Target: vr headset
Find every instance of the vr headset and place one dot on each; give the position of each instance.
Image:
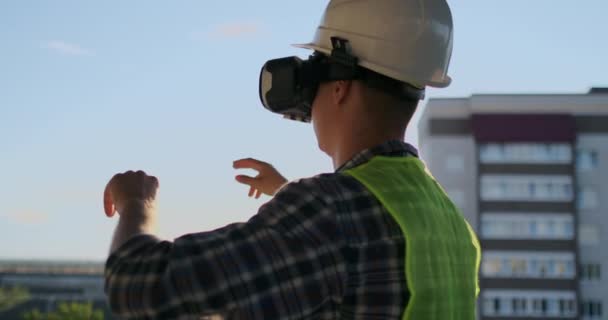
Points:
(288, 86)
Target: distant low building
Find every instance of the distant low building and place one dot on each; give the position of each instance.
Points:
(52, 282)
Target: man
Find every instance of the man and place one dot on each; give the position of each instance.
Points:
(376, 239)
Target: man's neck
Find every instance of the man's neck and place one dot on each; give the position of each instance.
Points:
(354, 145)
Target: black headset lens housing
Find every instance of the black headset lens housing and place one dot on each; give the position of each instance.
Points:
(288, 86)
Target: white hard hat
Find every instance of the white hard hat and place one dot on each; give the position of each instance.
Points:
(407, 40)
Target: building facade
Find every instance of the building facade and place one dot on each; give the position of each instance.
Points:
(530, 173)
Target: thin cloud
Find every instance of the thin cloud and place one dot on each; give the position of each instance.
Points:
(28, 217)
(233, 30)
(66, 48)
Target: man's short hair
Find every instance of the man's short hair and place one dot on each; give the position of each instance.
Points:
(389, 108)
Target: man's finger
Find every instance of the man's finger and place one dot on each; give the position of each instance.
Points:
(258, 193)
(108, 203)
(251, 192)
(245, 179)
(249, 163)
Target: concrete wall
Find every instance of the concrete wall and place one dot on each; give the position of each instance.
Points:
(452, 161)
(598, 179)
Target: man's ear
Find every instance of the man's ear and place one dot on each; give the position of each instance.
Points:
(340, 91)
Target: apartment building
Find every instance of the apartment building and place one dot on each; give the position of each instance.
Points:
(530, 173)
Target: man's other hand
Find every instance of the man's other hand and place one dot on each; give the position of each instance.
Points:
(268, 180)
(129, 188)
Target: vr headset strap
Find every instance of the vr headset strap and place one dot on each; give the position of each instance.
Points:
(344, 66)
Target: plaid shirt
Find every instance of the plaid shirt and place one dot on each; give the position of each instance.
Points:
(322, 248)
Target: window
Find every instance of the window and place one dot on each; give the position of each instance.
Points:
(588, 234)
(525, 264)
(537, 306)
(529, 303)
(587, 198)
(455, 162)
(590, 271)
(533, 225)
(505, 225)
(518, 266)
(586, 160)
(497, 305)
(519, 306)
(491, 266)
(526, 188)
(489, 153)
(591, 309)
(488, 306)
(560, 267)
(525, 153)
(570, 267)
(553, 307)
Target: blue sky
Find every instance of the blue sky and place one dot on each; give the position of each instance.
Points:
(88, 89)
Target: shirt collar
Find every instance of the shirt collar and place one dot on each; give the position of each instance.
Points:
(391, 148)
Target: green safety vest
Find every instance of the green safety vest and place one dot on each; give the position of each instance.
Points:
(442, 252)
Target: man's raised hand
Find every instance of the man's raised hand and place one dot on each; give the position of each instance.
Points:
(129, 188)
(268, 181)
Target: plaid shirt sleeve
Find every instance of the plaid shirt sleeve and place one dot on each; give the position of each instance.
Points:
(285, 262)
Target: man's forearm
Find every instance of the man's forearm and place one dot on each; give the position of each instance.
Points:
(138, 218)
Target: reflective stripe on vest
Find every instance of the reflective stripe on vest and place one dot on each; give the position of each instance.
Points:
(442, 251)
